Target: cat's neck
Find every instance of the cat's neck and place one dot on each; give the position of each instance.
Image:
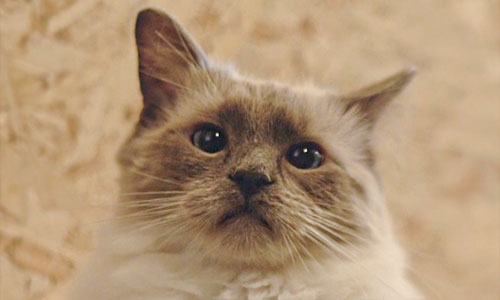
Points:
(133, 253)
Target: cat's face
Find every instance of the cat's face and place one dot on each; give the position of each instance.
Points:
(240, 171)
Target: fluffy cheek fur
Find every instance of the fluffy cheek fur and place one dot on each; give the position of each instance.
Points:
(182, 193)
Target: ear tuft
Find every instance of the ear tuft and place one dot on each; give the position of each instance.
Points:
(371, 100)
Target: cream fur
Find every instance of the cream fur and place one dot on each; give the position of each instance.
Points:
(123, 268)
(195, 264)
(127, 266)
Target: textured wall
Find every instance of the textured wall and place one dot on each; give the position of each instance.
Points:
(69, 95)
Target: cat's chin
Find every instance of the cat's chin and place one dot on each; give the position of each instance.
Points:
(244, 219)
(245, 237)
(245, 232)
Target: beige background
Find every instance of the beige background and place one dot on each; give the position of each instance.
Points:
(69, 96)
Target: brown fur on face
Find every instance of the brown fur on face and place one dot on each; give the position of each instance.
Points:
(185, 195)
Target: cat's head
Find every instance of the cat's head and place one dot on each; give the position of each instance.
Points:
(242, 171)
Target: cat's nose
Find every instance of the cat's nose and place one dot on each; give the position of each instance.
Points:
(250, 182)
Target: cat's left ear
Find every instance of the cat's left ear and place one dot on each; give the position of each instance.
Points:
(369, 102)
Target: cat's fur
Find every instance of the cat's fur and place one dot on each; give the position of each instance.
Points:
(328, 233)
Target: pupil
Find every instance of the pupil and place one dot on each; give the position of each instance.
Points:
(305, 156)
(209, 139)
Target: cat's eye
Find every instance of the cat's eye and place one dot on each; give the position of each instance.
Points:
(305, 155)
(209, 138)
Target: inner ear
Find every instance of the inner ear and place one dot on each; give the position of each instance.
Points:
(369, 102)
(167, 56)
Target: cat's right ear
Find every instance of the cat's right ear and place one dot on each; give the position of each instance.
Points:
(166, 57)
(369, 102)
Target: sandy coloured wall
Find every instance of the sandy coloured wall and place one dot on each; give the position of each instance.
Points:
(69, 95)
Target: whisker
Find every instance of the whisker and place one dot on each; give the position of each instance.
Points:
(337, 235)
(149, 224)
(330, 245)
(197, 63)
(352, 258)
(288, 242)
(152, 193)
(146, 204)
(161, 202)
(173, 48)
(153, 177)
(166, 80)
(151, 212)
(334, 226)
(306, 210)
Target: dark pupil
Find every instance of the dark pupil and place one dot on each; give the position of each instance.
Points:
(209, 139)
(305, 156)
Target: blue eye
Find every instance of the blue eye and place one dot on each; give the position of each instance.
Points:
(305, 155)
(209, 138)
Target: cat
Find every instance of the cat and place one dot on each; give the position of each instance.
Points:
(234, 188)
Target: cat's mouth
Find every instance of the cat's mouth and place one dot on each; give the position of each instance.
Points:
(245, 213)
